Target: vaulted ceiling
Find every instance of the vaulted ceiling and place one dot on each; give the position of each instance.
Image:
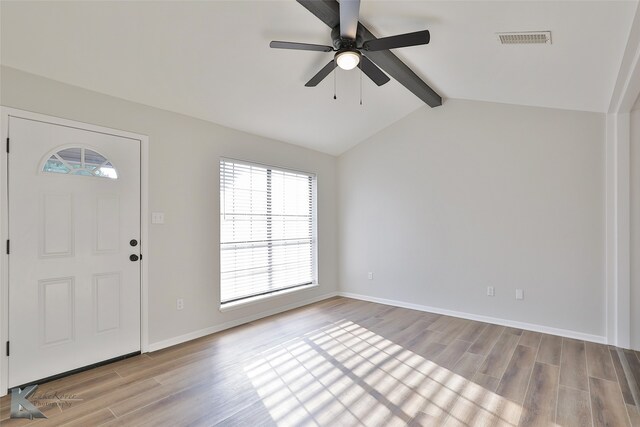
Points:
(211, 60)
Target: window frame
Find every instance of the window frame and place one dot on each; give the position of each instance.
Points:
(314, 237)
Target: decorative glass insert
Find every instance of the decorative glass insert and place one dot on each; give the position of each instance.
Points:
(80, 161)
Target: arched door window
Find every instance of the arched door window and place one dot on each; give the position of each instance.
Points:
(79, 161)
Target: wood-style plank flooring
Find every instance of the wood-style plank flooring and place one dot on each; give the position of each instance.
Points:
(343, 362)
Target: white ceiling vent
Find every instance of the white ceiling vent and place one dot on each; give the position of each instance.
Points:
(525, 37)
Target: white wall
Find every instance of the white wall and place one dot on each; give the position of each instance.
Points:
(438, 206)
(451, 200)
(184, 183)
(635, 226)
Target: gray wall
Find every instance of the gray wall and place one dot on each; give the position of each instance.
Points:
(635, 226)
(451, 200)
(438, 206)
(184, 183)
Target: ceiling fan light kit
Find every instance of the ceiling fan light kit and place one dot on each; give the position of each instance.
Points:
(356, 46)
(347, 59)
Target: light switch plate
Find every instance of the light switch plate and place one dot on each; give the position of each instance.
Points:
(157, 218)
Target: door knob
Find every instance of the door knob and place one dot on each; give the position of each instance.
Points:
(133, 242)
(134, 257)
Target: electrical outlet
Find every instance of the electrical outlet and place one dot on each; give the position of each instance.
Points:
(491, 291)
(179, 304)
(519, 294)
(370, 275)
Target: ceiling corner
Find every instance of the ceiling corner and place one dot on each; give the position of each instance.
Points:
(627, 86)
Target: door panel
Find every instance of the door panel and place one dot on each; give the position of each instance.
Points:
(56, 310)
(107, 299)
(74, 204)
(57, 225)
(107, 238)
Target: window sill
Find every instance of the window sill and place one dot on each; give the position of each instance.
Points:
(262, 298)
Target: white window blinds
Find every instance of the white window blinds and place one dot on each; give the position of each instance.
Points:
(267, 229)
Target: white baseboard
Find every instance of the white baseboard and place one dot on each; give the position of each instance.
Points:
(504, 322)
(237, 322)
(487, 319)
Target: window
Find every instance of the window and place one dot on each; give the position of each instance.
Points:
(79, 161)
(267, 230)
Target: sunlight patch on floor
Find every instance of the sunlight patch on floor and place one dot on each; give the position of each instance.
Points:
(345, 374)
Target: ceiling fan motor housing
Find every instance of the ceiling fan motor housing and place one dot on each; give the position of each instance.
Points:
(340, 43)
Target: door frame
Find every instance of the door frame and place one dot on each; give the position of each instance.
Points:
(5, 114)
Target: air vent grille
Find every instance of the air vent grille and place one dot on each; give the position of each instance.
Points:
(529, 37)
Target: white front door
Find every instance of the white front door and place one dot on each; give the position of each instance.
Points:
(74, 230)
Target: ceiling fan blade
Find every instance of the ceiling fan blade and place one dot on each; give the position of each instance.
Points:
(394, 42)
(321, 74)
(372, 71)
(300, 46)
(349, 13)
(397, 69)
(328, 11)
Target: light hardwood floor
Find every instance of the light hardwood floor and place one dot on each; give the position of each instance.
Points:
(344, 362)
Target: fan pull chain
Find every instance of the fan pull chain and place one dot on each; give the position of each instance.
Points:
(334, 83)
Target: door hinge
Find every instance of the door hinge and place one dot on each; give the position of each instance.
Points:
(8, 247)
(7, 348)
(7, 145)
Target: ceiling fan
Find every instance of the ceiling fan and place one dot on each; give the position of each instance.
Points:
(355, 46)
